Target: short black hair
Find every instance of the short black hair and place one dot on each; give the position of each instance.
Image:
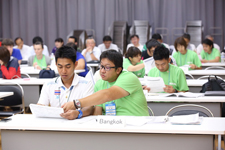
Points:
(157, 36)
(107, 38)
(161, 53)
(180, 41)
(135, 35)
(4, 54)
(17, 38)
(187, 36)
(39, 43)
(132, 52)
(72, 45)
(208, 42)
(59, 40)
(37, 39)
(66, 52)
(73, 37)
(115, 57)
(152, 43)
(7, 42)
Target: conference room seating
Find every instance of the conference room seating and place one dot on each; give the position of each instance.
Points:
(187, 109)
(14, 104)
(215, 68)
(150, 111)
(195, 29)
(142, 29)
(118, 32)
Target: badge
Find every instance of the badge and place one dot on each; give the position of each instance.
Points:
(57, 94)
(110, 109)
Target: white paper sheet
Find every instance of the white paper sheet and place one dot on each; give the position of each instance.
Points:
(156, 84)
(46, 111)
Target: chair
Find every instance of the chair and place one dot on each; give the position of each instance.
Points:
(195, 29)
(15, 102)
(118, 32)
(215, 67)
(189, 76)
(142, 29)
(187, 109)
(151, 113)
(203, 77)
(90, 75)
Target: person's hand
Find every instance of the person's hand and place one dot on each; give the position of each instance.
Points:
(89, 49)
(146, 88)
(204, 61)
(193, 66)
(70, 114)
(68, 106)
(169, 89)
(1, 62)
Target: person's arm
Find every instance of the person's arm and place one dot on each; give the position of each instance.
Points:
(193, 66)
(136, 67)
(99, 97)
(93, 56)
(19, 62)
(97, 110)
(81, 64)
(12, 70)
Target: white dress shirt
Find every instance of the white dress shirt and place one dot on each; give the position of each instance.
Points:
(112, 46)
(25, 51)
(96, 52)
(140, 47)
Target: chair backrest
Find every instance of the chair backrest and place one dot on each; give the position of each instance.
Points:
(118, 32)
(17, 99)
(149, 64)
(90, 75)
(150, 111)
(142, 29)
(188, 109)
(215, 67)
(195, 29)
(189, 76)
(203, 77)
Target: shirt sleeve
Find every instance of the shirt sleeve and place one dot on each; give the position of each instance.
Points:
(19, 56)
(11, 72)
(182, 83)
(89, 89)
(202, 55)
(197, 61)
(97, 53)
(44, 97)
(126, 63)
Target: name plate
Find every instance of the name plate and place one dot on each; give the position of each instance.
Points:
(112, 121)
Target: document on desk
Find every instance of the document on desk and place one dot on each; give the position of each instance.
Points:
(156, 84)
(186, 119)
(184, 94)
(45, 111)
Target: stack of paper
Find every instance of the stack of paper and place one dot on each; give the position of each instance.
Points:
(185, 119)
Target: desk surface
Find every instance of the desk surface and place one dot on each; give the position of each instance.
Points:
(31, 81)
(29, 122)
(5, 94)
(217, 64)
(206, 72)
(93, 64)
(161, 98)
(31, 70)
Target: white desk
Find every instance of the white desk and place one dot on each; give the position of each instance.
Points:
(5, 94)
(217, 64)
(94, 66)
(198, 73)
(35, 73)
(160, 105)
(195, 86)
(25, 132)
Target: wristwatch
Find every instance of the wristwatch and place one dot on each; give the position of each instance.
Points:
(80, 114)
(76, 103)
(91, 52)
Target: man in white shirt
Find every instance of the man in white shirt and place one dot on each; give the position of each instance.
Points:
(187, 39)
(107, 44)
(68, 86)
(200, 47)
(38, 39)
(24, 49)
(91, 52)
(134, 39)
(159, 38)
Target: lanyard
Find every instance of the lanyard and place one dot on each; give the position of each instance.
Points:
(68, 96)
(168, 76)
(185, 58)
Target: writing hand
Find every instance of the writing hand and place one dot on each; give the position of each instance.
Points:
(70, 114)
(169, 89)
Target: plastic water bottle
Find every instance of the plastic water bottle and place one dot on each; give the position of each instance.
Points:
(222, 57)
(52, 56)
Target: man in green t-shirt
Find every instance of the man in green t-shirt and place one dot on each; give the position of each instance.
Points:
(173, 76)
(117, 87)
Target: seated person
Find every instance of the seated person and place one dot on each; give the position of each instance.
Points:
(133, 62)
(183, 56)
(134, 39)
(38, 39)
(68, 85)
(115, 88)
(150, 45)
(200, 46)
(39, 60)
(80, 59)
(58, 43)
(159, 38)
(173, 76)
(187, 39)
(91, 52)
(10, 67)
(107, 44)
(8, 43)
(24, 49)
(210, 54)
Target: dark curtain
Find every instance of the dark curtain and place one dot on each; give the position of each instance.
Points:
(57, 18)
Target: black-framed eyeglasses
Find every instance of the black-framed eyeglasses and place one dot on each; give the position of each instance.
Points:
(106, 68)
